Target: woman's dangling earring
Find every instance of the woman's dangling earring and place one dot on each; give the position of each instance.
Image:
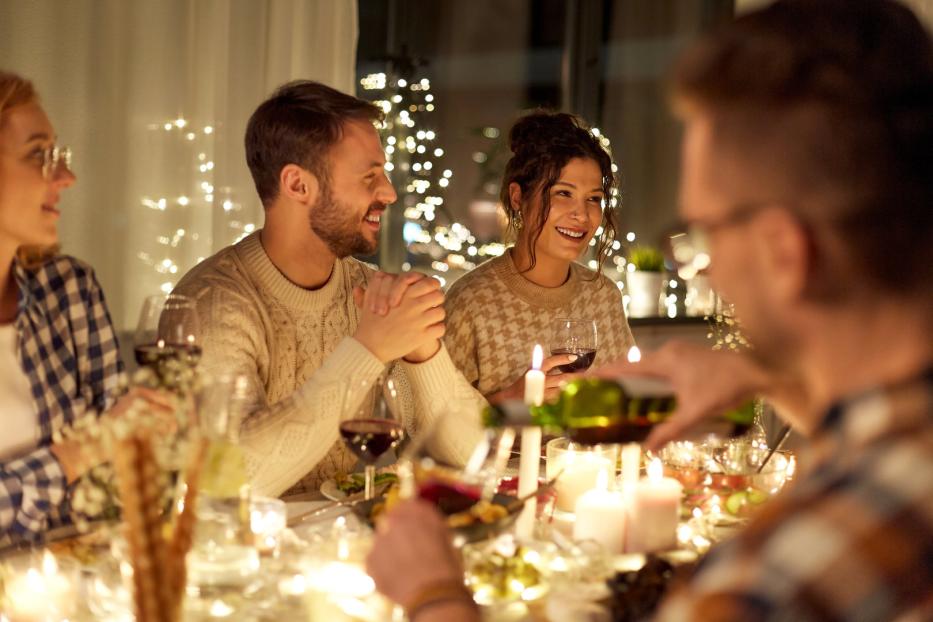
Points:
(517, 220)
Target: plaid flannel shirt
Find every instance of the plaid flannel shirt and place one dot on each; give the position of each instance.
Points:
(69, 352)
(850, 540)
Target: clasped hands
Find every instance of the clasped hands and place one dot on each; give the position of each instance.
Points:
(401, 316)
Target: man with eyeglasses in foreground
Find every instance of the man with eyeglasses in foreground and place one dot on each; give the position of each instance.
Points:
(807, 163)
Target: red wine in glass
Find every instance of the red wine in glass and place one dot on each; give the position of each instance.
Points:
(370, 438)
(585, 357)
(450, 497)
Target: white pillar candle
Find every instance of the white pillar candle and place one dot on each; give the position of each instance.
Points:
(579, 471)
(530, 462)
(631, 462)
(654, 510)
(601, 516)
(534, 378)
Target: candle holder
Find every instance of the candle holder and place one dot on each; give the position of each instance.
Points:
(577, 469)
(109, 589)
(506, 572)
(334, 580)
(502, 571)
(268, 519)
(39, 587)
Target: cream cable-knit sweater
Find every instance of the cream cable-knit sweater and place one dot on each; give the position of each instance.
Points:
(295, 348)
(495, 316)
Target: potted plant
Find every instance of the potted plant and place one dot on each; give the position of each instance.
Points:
(645, 281)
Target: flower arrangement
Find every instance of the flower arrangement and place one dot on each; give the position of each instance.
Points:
(726, 331)
(95, 495)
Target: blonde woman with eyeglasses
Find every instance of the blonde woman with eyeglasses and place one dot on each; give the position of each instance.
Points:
(58, 352)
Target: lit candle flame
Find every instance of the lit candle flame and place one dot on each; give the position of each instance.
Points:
(49, 566)
(537, 357)
(634, 354)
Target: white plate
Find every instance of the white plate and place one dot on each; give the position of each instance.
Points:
(330, 491)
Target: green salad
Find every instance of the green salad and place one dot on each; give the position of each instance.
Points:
(355, 482)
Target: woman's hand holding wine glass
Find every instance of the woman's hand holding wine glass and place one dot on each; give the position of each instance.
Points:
(574, 337)
(168, 337)
(553, 381)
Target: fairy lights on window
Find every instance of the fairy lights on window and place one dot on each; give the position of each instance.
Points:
(169, 256)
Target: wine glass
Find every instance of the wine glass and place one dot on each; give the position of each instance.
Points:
(168, 334)
(370, 425)
(574, 336)
(455, 474)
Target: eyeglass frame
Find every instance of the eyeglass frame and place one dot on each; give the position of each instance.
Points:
(52, 158)
(696, 237)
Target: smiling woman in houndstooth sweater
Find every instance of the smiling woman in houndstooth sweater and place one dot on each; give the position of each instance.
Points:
(555, 191)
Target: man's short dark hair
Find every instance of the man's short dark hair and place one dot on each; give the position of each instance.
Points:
(298, 124)
(836, 97)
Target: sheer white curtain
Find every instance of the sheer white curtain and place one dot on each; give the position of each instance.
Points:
(154, 97)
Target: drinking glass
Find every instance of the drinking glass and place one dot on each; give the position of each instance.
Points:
(726, 480)
(574, 336)
(454, 474)
(370, 425)
(223, 557)
(168, 335)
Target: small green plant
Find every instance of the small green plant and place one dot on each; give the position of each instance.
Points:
(646, 259)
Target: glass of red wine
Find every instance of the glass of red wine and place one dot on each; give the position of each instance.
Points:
(370, 425)
(168, 336)
(452, 468)
(574, 336)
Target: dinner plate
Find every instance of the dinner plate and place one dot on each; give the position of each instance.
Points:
(330, 491)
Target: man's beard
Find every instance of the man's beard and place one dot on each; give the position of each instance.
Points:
(333, 222)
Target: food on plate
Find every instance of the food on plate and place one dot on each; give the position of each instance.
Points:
(356, 482)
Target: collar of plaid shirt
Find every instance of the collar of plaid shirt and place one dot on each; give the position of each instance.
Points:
(67, 344)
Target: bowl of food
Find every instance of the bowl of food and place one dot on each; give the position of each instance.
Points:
(728, 480)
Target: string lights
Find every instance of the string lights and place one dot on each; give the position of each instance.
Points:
(435, 241)
(167, 257)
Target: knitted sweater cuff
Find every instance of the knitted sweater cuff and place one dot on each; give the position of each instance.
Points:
(350, 360)
(436, 376)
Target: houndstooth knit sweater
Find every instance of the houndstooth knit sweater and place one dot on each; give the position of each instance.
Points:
(495, 316)
(294, 347)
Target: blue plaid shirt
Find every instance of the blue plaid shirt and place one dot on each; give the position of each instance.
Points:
(69, 352)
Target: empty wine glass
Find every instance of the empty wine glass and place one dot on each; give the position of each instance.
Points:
(574, 336)
(370, 425)
(168, 335)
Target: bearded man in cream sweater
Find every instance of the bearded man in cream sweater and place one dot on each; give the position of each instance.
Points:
(289, 307)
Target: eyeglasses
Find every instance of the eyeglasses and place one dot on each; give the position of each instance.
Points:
(54, 157)
(688, 245)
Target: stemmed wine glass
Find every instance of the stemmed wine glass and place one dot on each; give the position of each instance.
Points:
(370, 425)
(574, 336)
(454, 474)
(168, 334)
